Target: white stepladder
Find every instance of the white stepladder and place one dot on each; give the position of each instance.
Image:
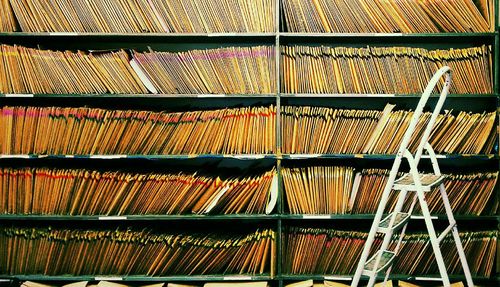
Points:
(418, 184)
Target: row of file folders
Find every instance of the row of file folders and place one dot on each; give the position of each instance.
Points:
(208, 16)
(132, 251)
(243, 70)
(307, 190)
(247, 130)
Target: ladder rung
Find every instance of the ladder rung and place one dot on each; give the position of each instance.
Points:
(385, 262)
(446, 231)
(401, 219)
(428, 181)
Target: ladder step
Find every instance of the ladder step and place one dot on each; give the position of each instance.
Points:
(428, 181)
(385, 262)
(400, 220)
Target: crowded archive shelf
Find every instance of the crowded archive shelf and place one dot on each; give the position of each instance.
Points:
(189, 143)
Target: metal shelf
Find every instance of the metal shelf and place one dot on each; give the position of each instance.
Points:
(132, 278)
(246, 34)
(137, 278)
(312, 95)
(50, 217)
(243, 156)
(141, 35)
(148, 157)
(384, 35)
(227, 96)
(208, 217)
(282, 95)
(371, 216)
(391, 277)
(385, 156)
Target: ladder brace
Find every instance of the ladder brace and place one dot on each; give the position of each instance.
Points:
(446, 231)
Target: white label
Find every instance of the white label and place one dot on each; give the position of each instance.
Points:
(211, 95)
(14, 156)
(112, 218)
(63, 34)
(103, 156)
(428, 279)
(319, 216)
(104, 278)
(248, 156)
(19, 95)
(229, 278)
(344, 278)
(69, 156)
(299, 156)
(422, 217)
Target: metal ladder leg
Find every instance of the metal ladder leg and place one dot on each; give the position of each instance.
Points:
(428, 221)
(451, 218)
(456, 236)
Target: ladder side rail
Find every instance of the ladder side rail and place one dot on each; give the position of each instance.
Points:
(427, 218)
(437, 109)
(451, 219)
(461, 255)
(432, 156)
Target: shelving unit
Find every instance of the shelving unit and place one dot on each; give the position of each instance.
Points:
(279, 218)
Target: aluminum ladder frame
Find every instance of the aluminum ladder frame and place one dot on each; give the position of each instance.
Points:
(419, 194)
